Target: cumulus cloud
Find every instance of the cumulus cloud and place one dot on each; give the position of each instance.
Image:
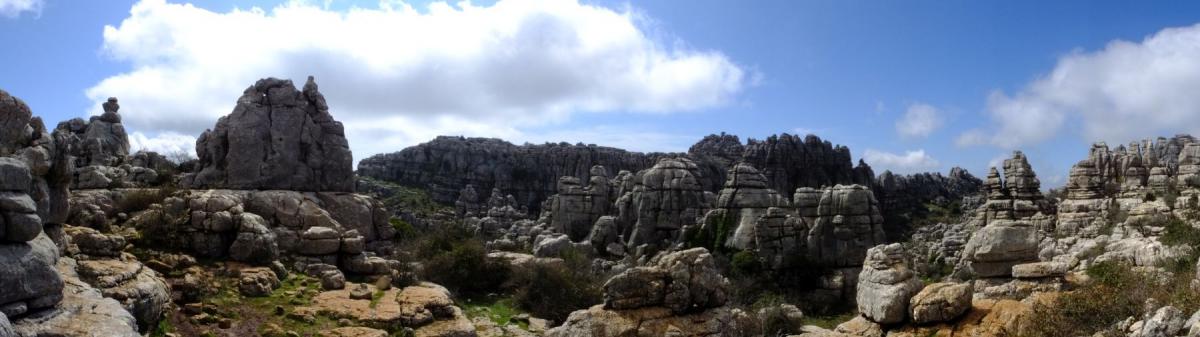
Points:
(164, 143)
(910, 162)
(919, 121)
(397, 76)
(1127, 90)
(14, 8)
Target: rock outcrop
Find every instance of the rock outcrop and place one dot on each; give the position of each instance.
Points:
(276, 138)
(347, 230)
(745, 199)
(42, 294)
(847, 224)
(665, 198)
(678, 294)
(577, 206)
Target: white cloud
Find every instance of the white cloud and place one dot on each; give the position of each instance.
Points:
(1128, 90)
(910, 162)
(164, 143)
(397, 76)
(14, 8)
(919, 121)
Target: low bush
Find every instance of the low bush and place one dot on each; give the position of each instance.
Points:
(136, 200)
(1116, 291)
(553, 291)
(455, 259)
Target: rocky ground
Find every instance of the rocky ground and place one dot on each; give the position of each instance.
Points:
(480, 237)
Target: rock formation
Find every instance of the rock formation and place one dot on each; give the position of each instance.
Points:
(847, 224)
(276, 138)
(886, 285)
(744, 200)
(905, 197)
(665, 198)
(100, 150)
(531, 172)
(42, 293)
(577, 206)
(260, 226)
(678, 294)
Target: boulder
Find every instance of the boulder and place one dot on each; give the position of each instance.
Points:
(28, 277)
(996, 248)
(82, 311)
(257, 282)
(255, 242)
(886, 285)
(940, 302)
(684, 281)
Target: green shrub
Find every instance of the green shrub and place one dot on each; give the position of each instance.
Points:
(1116, 291)
(462, 265)
(773, 320)
(135, 200)
(745, 262)
(553, 291)
(404, 230)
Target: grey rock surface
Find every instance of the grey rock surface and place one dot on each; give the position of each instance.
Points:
(886, 285)
(277, 137)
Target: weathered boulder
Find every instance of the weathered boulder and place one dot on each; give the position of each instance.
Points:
(28, 277)
(140, 290)
(996, 248)
(683, 281)
(886, 285)
(83, 311)
(277, 137)
(257, 282)
(940, 302)
(598, 321)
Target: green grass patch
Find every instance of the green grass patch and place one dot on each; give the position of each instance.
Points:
(499, 310)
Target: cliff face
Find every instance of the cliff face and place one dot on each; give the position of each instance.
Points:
(445, 165)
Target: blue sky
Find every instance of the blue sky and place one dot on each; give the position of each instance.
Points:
(980, 78)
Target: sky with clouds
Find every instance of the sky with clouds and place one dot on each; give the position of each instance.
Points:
(909, 86)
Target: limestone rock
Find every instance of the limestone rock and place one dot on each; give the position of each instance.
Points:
(860, 326)
(683, 281)
(997, 247)
(653, 322)
(277, 137)
(577, 205)
(666, 197)
(848, 223)
(886, 285)
(257, 282)
(140, 290)
(83, 311)
(940, 302)
(28, 277)
(745, 198)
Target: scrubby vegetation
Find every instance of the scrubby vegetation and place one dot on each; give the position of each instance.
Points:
(134, 200)
(456, 259)
(553, 291)
(1116, 291)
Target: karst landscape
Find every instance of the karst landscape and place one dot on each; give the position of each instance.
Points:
(269, 223)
